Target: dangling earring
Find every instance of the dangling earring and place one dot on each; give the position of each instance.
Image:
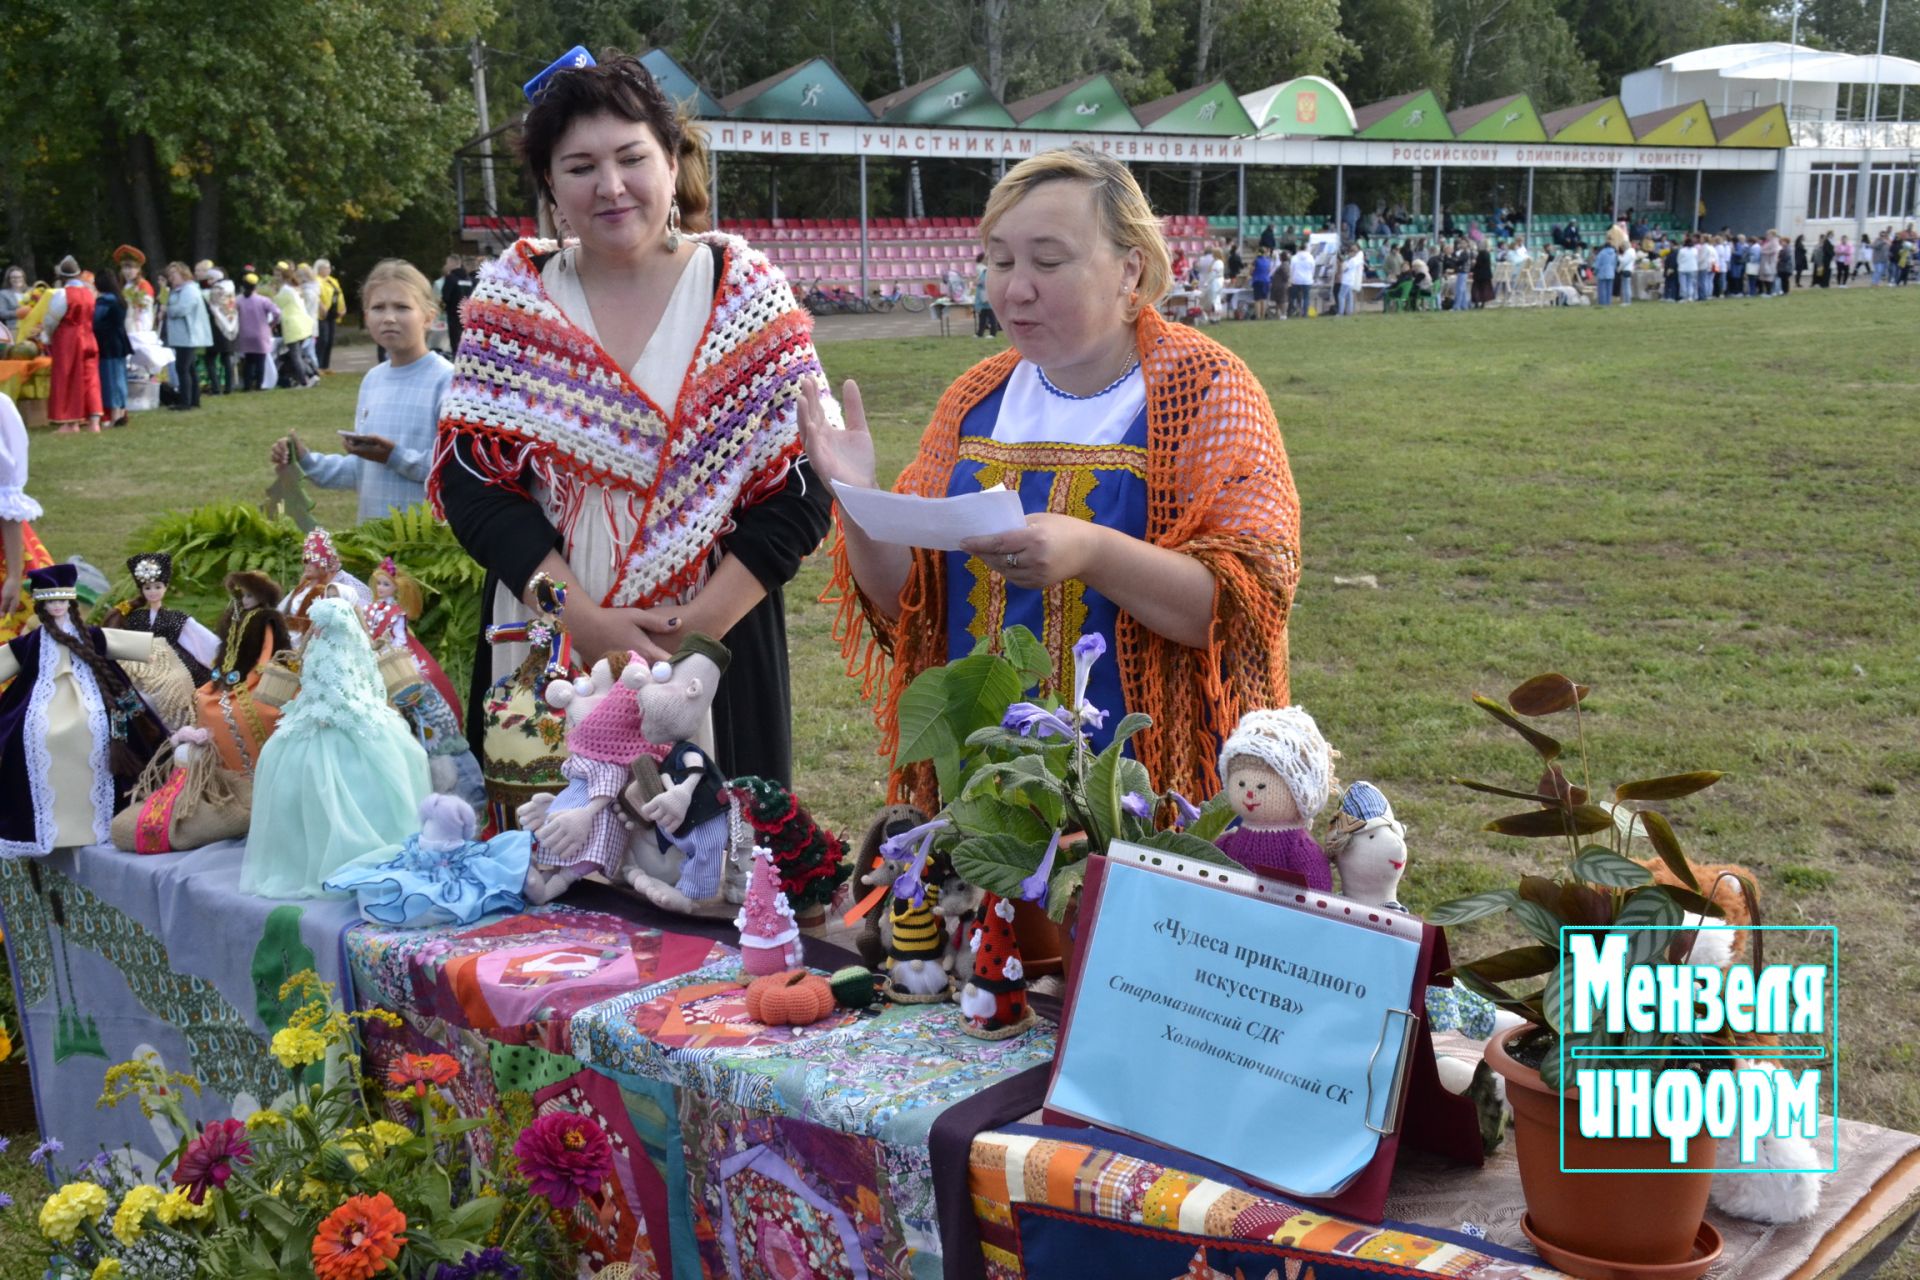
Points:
(673, 227)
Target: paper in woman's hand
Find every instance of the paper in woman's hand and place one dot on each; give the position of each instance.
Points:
(937, 524)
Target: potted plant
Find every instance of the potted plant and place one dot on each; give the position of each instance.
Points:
(1611, 1223)
(1027, 797)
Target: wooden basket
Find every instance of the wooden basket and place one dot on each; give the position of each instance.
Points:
(279, 679)
(398, 669)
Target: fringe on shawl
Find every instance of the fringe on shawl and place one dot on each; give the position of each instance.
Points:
(1210, 431)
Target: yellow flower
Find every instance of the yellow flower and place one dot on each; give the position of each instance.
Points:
(67, 1208)
(109, 1269)
(264, 1120)
(6, 1043)
(131, 1218)
(176, 1207)
(389, 1134)
(298, 1046)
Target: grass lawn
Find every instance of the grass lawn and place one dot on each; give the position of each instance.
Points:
(1707, 515)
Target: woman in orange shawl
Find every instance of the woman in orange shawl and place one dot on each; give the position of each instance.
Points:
(1162, 513)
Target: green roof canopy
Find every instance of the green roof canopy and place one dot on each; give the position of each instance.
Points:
(1411, 117)
(1603, 120)
(1089, 105)
(1761, 127)
(959, 98)
(680, 86)
(1211, 110)
(1687, 125)
(813, 91)
(1509, 119)
(1307, 106)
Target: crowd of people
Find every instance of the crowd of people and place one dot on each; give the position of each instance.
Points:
(1462, 270)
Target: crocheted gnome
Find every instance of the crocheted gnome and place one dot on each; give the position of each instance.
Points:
(769, 938)
(916, 962)
(995, 997)
(1278, 773)
(1370, 847)
(578, 832)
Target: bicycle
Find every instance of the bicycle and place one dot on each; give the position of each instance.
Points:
(901, 296)
(833, 300)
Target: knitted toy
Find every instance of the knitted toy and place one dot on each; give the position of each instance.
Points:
(876, 869)
(807, 855)
(995, 997)
(916, 961)
(769, 939)
(578, 832)
(1370, 847)
(694, 828)
(1278, 773)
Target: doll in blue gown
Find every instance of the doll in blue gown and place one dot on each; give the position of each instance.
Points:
(441, 875)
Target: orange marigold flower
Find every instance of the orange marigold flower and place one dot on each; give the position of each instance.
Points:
(359, 1239)
(418, 1070)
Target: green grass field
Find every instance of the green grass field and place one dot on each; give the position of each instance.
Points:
(1707, 515)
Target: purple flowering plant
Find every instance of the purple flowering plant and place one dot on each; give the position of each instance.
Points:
(1028, 797)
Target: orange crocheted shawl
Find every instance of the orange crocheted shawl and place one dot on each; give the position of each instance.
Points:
(1218, 489)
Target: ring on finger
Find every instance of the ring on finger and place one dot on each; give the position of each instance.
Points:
(1013, 559)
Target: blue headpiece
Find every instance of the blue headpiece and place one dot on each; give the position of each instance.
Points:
(1365, 802)
(572, 60)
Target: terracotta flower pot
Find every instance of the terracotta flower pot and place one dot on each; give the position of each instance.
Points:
(1627, 1220)
(1041, 952)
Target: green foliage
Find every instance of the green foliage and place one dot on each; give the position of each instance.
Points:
(1602, 891)
(209, 542)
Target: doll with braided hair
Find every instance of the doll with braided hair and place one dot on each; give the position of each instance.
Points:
(74, 733)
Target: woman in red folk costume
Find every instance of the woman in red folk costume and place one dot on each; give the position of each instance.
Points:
(75, 392)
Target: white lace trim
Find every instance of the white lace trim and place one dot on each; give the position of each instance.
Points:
(102, 740)
(33, 737)
(16, 505)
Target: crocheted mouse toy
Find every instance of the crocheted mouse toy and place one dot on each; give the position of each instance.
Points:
(1278, 773)
(1369, 845)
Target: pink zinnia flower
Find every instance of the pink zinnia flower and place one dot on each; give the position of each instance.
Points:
(564, 1157)
(209, 1159)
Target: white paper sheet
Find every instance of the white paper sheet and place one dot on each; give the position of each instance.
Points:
(937, 524)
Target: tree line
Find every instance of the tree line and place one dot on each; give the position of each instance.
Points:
(202, 129)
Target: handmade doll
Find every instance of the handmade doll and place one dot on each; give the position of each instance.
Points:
(251, 631)
(876, 868)
(321, 578)
(342, 776)
(523, 738)
(916, 963)
(441, 875)
(769, 937)
(1369, 845)
(994, 998)
(428, 704)
(578, 832)
(74, 735)
(692, 814)
(1278, 774)
(196, 646)
(184, 800)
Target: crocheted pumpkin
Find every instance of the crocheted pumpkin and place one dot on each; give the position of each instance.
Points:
(793, 999)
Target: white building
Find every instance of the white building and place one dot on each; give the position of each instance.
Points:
(1844, 174)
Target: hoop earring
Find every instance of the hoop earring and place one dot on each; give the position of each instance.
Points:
(673, 227)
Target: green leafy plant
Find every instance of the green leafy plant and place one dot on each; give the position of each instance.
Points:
(1028, 798)
(207, 543)
(1600, 889)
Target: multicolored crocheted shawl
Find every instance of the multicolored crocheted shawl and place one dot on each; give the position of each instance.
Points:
(1218, 489)
(533, 392)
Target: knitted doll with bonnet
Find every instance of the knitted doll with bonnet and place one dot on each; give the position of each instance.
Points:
(1278, 773)
(579, 831)
(1370, 847)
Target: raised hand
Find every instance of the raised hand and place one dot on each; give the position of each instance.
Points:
(837, 453)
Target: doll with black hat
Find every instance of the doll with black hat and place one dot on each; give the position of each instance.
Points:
(74, 735)
(196, 646)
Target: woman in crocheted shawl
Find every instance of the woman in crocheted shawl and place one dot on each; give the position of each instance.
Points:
(1162, 512)
(623, 412)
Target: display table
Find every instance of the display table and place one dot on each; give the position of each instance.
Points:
(115, 954)
(837, 1149)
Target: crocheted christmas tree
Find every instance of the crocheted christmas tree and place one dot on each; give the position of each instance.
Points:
(809, 858)
(769, 938)
(995, 998)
